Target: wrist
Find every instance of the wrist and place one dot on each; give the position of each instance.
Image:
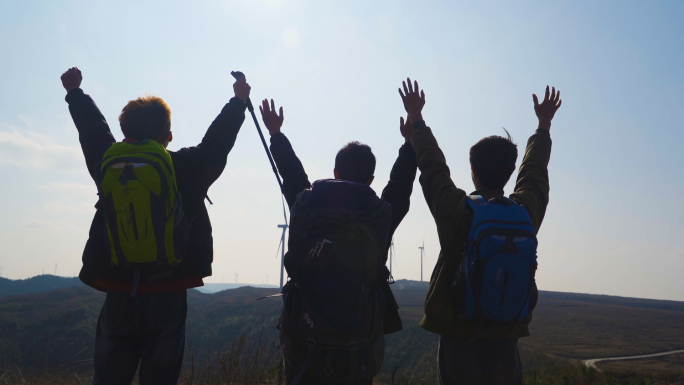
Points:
(415, 116)
(544, 125)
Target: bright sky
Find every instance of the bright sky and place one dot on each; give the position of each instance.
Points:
(615, 221)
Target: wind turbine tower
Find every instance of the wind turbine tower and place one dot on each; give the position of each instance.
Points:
(282, 244)
(422, 256)
(282, 252)
(55, 268)
(391, 255)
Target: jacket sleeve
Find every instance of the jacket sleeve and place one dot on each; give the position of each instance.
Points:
(93, 130)
(290, 167)
(447, 202)
(400, 186)
(532, 187)
(208, 159)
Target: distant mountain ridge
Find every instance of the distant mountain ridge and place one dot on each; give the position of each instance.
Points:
(37, 284)
(48, 282)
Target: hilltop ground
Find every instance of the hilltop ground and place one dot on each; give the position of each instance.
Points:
(54, 330)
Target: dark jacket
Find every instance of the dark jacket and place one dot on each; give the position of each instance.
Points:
(397, 193)
(196, 169)
(453, 218)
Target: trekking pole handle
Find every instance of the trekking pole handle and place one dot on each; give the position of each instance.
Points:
(237, 75)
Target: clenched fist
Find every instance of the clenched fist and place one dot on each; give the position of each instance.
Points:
(71, 79)
(241, 88)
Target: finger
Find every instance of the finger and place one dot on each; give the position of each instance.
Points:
(261, 108)
(408, 119)
(264, 103)
(422, 95)
(559, 104)
(406, 92)
(410, 88)
(553, 93)
(281, 116)
(273, 106)
(401, 122)
(557, 97)
(546, 96)
(415, 88)
(536, 101)
(401, 94)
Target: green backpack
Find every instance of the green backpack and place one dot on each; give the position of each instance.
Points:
(142, 207)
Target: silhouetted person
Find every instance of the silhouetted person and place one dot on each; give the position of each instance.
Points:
(482, 290)
(146, 244)
(337, 303)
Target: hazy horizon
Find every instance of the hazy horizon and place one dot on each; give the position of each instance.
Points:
(613, 222)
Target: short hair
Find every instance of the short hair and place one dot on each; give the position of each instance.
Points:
(148, 117)
(355, 162)
(493, 159)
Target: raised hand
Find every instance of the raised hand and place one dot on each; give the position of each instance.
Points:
(241, 88)
(413, 99)
(405, 128)
(547, 109)
(71, 79)
(272, 120)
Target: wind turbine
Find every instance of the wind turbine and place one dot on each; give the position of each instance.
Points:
(422, 256)
(0, 271)
(55, 268)
(282, 244)
(391, 255)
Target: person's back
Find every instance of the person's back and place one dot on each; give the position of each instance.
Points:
(473, 349)
(150, 239)
(337, 304)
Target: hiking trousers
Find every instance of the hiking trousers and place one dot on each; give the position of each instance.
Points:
(486, 362)
(291, 372)
(147, 330)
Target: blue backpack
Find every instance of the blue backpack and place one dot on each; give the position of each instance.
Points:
(495, 283)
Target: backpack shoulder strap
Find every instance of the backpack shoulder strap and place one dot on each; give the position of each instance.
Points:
(475, 200)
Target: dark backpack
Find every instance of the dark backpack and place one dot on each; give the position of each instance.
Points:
(331, 326)
(495, 283)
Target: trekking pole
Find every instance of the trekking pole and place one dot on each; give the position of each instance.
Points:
(237, 75)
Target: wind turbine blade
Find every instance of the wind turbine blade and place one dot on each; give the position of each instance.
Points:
(278, 249)
(284, 211)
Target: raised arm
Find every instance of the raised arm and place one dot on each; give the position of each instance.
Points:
(532, 185)
(208, 159)
(400, 186)
(443, 197)
(290, 167)
(93, 130)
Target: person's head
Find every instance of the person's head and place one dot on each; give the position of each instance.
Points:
(492, 161)
(147, 118)
(355, 162)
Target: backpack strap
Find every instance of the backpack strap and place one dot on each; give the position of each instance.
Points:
(475, 200)
(353, 359)
(310, 346)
